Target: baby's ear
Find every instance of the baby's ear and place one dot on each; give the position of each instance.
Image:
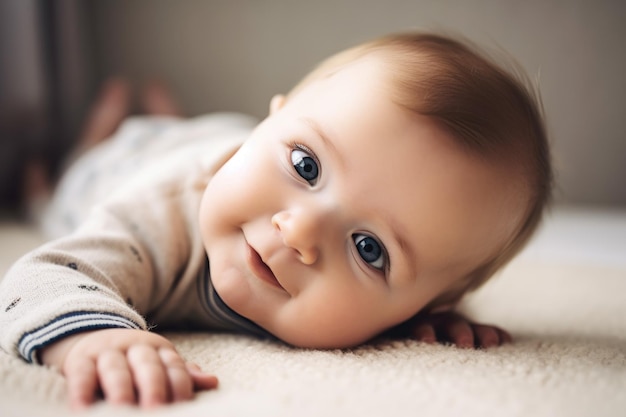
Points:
(277, 102)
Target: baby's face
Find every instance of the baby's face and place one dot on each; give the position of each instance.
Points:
(343, 215)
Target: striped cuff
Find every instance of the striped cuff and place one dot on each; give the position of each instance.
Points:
(66, 325)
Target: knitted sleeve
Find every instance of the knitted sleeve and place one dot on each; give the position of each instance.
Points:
(114, 272)
(134, 263)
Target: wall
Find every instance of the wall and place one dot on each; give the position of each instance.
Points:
(44, 79)
(22, 90)
(234, 55)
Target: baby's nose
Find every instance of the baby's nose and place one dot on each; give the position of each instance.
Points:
(299, 232)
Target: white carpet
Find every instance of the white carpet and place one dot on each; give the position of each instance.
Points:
(563, 299)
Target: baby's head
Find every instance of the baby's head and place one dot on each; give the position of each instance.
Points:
(394, 178)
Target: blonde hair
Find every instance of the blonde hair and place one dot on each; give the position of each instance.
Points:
(492, 112)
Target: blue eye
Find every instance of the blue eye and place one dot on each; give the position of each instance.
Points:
(370, 250)
(305, 165)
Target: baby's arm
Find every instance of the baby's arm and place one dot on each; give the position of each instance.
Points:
(85, 298)
(128, 366)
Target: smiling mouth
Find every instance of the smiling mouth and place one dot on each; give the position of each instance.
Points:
(260, 268)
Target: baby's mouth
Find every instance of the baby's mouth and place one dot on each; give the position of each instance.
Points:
(260, 268)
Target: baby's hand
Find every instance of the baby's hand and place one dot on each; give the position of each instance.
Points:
(457, 329)
(126, 366)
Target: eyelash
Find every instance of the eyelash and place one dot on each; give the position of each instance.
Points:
(297, 146)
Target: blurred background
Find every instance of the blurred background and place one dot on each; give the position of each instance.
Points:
(234, 55)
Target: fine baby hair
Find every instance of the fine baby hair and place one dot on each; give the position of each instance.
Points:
(492, 112)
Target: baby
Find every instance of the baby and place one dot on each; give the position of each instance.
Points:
(394, 178)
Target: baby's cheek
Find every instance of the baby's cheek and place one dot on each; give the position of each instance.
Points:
(345, 319)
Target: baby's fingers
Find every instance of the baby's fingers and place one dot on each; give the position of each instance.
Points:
(490, 336)
(424, 332)
(116, 380)
(82, 381)
(149, 375)
(201, 380)
(180, 383)
(460, 333)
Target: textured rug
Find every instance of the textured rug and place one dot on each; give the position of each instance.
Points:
(563, 299)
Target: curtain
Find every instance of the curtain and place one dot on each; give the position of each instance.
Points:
(45, 77)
